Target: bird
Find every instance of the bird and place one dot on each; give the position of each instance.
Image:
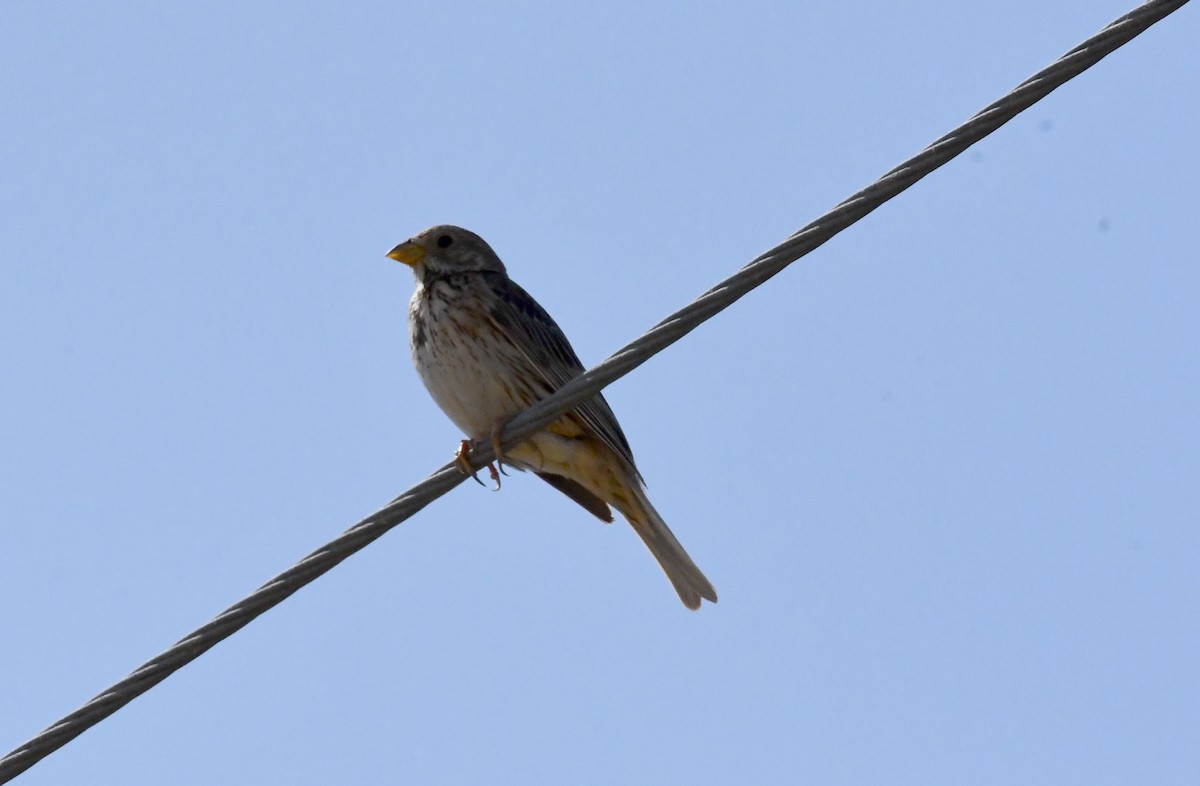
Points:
(486, 351)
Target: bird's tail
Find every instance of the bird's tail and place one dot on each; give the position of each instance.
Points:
(687, 579)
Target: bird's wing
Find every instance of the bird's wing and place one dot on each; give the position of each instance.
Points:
(518, 316)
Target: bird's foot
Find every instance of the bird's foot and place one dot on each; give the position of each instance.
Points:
(497, 427)
(464, 465)
(460, 461)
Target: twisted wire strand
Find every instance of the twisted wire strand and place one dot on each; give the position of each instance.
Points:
(582, 388)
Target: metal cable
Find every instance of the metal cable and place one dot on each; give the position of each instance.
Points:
(587, 385)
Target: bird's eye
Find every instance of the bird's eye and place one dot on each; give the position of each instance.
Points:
(444, 241)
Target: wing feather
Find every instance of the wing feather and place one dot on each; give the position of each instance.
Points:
(519, 317)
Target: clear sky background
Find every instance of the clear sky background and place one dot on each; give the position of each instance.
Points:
(943, 472)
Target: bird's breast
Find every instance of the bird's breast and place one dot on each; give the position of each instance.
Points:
(472, 370)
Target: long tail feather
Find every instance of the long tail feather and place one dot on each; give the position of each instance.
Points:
(688, 580)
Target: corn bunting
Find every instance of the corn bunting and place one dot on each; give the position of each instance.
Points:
(486, 351)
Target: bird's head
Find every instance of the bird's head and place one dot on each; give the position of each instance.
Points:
(445, 250)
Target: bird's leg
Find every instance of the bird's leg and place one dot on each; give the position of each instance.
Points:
(464, 466)
(497, 427)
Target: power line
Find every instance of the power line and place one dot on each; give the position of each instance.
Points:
(588, 384)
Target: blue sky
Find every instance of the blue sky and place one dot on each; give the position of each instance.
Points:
(943, 472)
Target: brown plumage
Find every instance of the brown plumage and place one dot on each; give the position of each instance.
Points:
(486, 351)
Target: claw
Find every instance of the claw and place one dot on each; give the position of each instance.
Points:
(500, 458)
(464, 466)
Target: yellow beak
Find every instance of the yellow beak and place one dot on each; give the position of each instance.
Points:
(407, 252)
